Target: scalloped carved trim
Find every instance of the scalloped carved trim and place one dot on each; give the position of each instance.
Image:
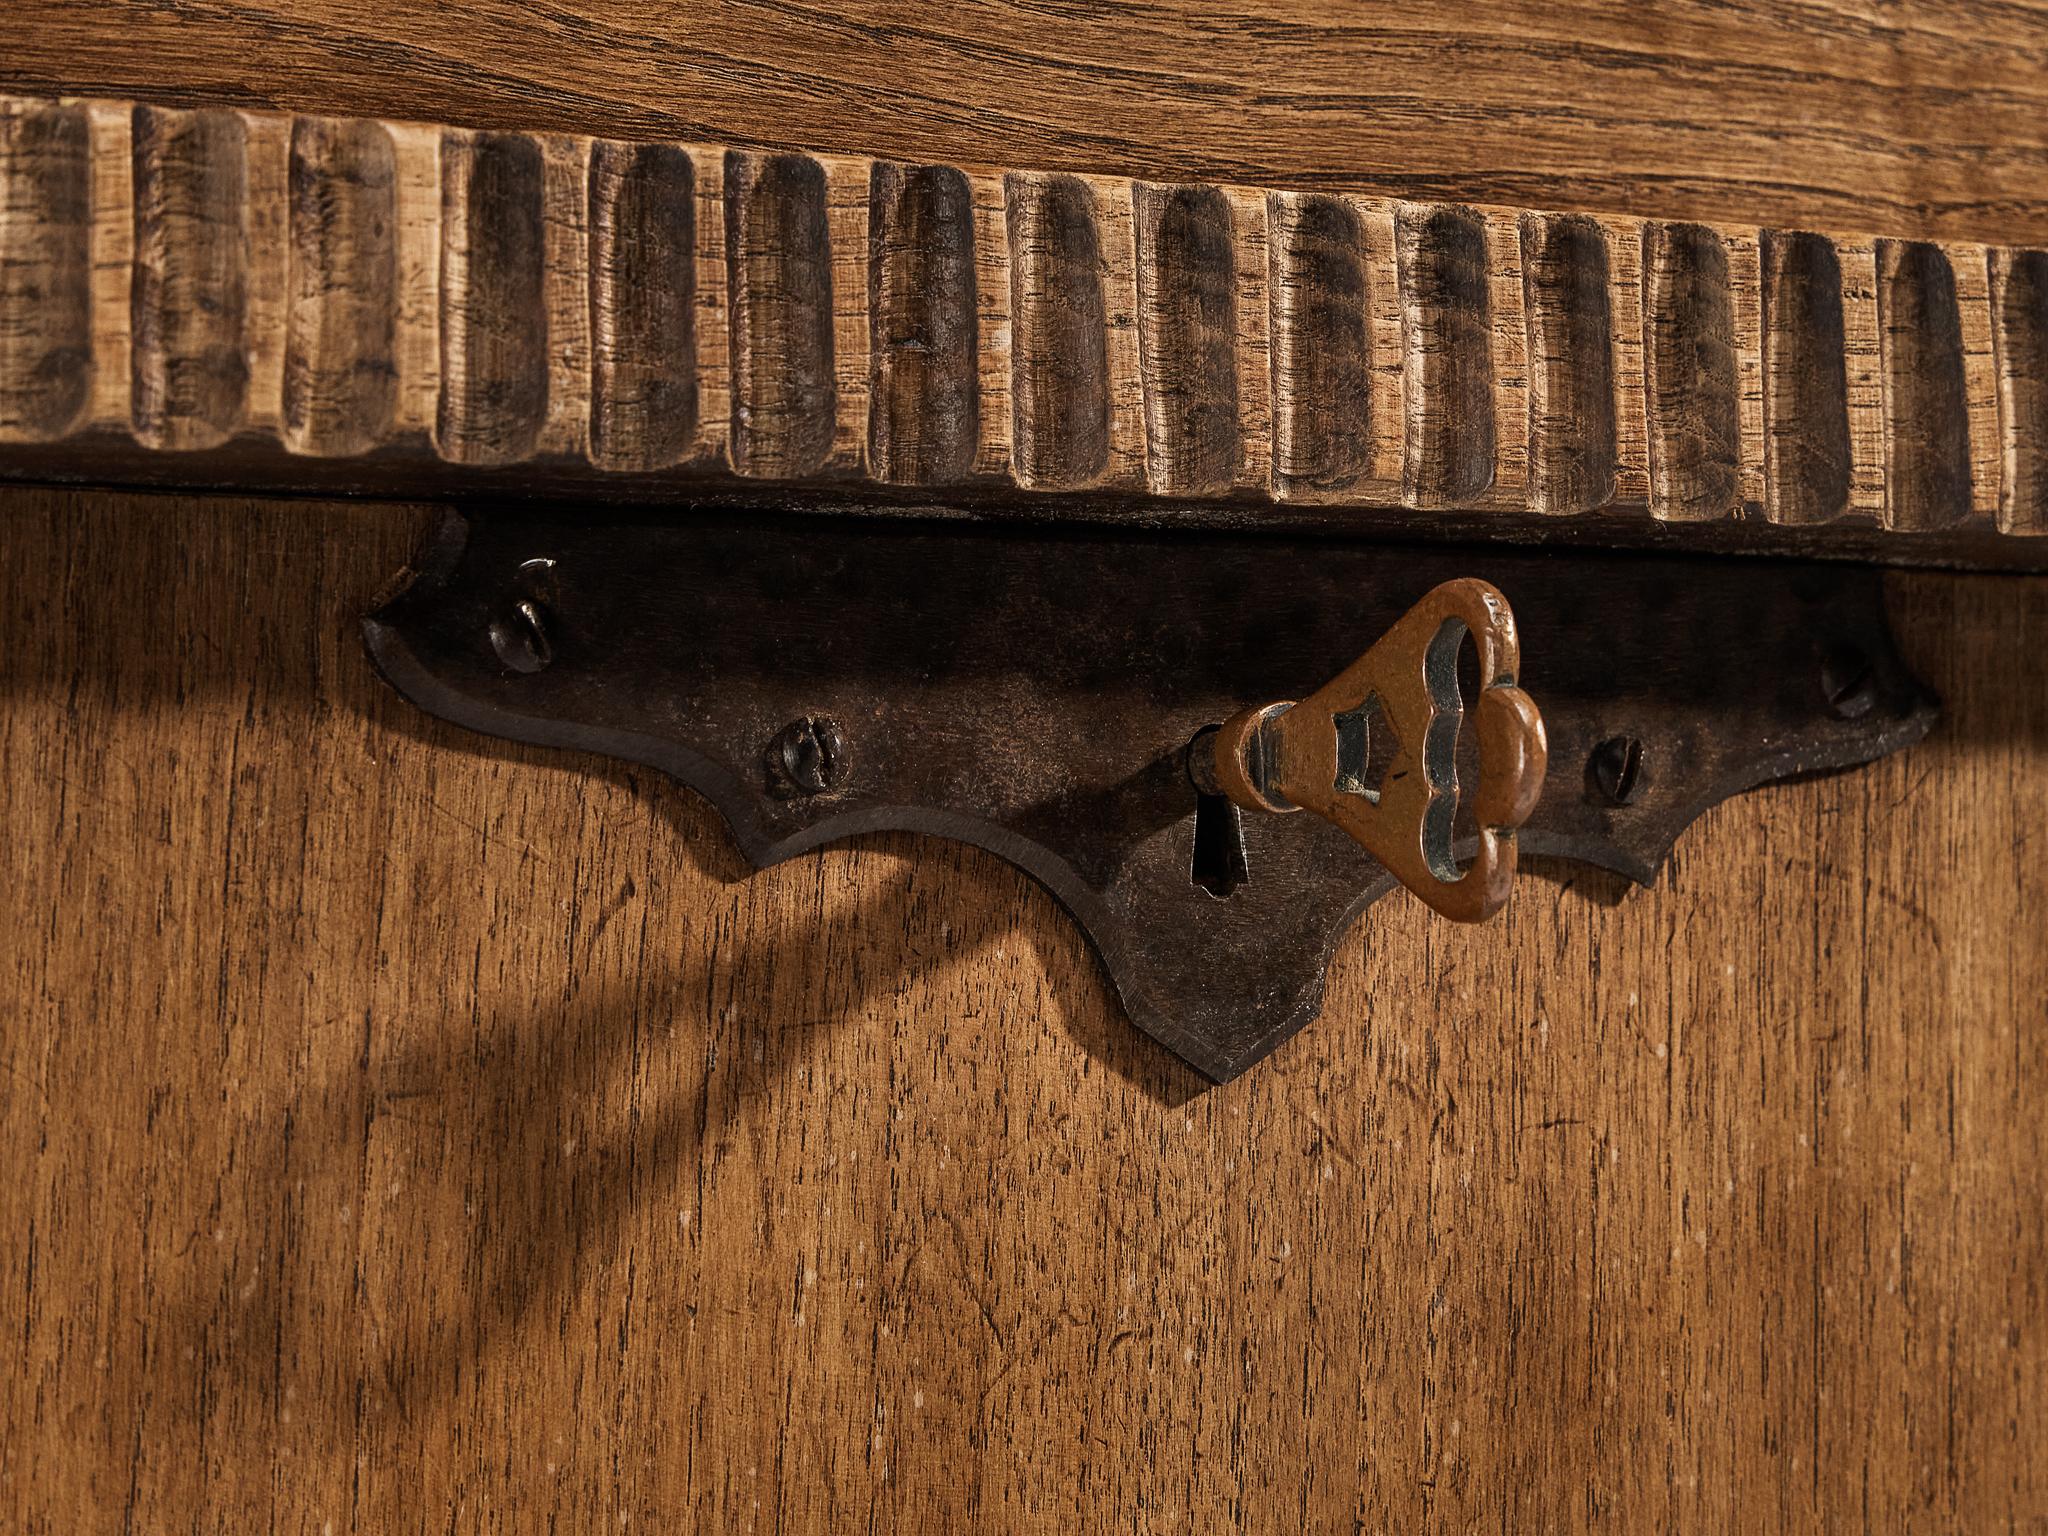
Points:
(685, 316)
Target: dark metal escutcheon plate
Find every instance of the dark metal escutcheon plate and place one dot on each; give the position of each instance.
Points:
(1034, 691)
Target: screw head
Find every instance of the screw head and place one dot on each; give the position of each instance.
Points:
(1616, 769)
(807, 756)
(519, 636)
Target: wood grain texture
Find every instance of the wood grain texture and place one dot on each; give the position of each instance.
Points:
(1198, 343)
(188, 343)
(1928, 120)
(1927, 406)
(1806, 393)
(411, 1134)
(494, 319)
(778, 252)
(45, 270)
(1322, 344)
(1448, 379)
(1187, 336)
(407, 1130)
(340, 383)
(1695, 425)
(1061, 332)
(1572, 443)
(2019, 283)
(925, 420)
(643, 279)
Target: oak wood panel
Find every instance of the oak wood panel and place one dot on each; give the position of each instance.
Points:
(1927, 119)
(408, 1132)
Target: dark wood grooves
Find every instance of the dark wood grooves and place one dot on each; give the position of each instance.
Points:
(925, 409)
(404, 302)
(1571, 363)
(494, 335)
(1695, 417)
(1322, 343)
(190, 372)
(1806, 380)
(1447, 336)
(340, 374)
(1060, 369)
(1927, 409)
(643, 290)
(778, 260)
(2019, 333)
(1187, 330)
(45, 269)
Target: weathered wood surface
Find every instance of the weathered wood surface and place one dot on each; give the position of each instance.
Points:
(1929, 120)
(207, 295)
(487, 1189)
(409, 1132)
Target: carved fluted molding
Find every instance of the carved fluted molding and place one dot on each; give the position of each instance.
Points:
(202, 296)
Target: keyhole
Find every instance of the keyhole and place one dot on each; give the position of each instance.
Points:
(1218, 866)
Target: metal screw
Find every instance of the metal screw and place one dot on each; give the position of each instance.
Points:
(1845, 677)
(519, 634)
(806, 756)
(1616, 767)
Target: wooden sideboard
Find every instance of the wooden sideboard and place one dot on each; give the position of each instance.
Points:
(411, 1132)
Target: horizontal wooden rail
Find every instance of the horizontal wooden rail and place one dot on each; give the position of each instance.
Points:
(197, 296)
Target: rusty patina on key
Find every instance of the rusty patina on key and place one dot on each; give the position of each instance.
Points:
(1374, 751)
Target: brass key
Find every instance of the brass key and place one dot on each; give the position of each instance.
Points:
(1374, 750)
